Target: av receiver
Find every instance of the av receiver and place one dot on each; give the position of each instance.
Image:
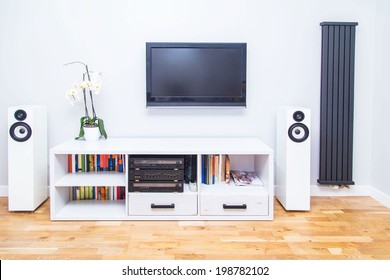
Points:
(157, 162)
(135, 186)
(156, 175)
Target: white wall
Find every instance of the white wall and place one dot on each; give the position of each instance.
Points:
(38, 37)
(381, 100)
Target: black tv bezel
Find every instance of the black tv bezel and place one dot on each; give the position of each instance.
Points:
(197, 101)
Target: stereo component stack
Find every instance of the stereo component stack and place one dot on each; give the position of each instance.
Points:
(162, 173)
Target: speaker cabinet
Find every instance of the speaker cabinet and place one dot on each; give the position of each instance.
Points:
(293, 158)
(27, 157)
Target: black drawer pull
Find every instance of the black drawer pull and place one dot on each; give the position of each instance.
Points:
(162, 206)
(234, 206)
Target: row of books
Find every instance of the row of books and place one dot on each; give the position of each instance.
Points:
(99, 162)
(96, 193)
(215, 169)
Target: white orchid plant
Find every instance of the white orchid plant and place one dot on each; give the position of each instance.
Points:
(90, 85)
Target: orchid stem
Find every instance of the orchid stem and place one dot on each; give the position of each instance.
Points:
(90, 93)
(85, 99)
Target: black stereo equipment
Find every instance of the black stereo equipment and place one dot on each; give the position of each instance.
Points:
(190, 162)
(156, 175)
(144, 186)
(159, 162)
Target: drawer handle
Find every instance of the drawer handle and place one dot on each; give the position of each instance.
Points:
(235, 206)
(162, 206)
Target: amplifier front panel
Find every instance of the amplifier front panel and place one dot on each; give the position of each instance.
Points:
(156, 175)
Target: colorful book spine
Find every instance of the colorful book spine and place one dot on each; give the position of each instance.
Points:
(203, 163)
(80, 163)
(222, 170)
(120, 163)
(227, 170)
(70, 163)
(98, 163)
(76, 165)
(216, 169)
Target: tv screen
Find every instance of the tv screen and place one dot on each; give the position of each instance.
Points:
(196, 74)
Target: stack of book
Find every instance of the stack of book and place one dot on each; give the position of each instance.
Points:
(215, 169)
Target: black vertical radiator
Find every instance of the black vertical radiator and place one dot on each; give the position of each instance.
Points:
(337, 95)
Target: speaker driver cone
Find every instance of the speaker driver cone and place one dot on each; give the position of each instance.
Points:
(298, 132)
(298, 116)
(20, 131)
(20, 115)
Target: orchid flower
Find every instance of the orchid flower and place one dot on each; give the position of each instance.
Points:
(91, 83)
(73, 96)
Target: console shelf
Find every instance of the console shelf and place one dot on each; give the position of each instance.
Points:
(92, 210)
(92, 179)
(219, 201)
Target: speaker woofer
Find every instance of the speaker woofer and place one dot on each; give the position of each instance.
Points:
(20, 131)
(298, 132)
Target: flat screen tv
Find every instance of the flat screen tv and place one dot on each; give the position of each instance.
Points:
(196, 74)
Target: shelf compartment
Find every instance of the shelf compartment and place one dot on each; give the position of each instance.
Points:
(93, 210)
(98, 179)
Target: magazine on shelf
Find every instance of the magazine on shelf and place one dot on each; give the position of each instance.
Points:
(244, 178)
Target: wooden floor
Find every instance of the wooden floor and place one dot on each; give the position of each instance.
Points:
(335, 228)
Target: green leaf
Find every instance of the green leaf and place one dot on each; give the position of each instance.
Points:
(101, 128)
(81, 133)
(92, 121)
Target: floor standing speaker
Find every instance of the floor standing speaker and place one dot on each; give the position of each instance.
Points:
(27, 157)
(293, 158)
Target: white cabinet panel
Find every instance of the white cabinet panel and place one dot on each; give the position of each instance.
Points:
(161, 204)
(233, 205)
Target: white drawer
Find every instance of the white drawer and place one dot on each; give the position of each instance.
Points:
(233, 205)
(163, 204)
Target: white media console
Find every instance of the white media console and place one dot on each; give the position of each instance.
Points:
(202, 202)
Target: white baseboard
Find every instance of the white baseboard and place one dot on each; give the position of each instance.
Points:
(359, 190)
(3, 191)
(380, 197)
(354, 190)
